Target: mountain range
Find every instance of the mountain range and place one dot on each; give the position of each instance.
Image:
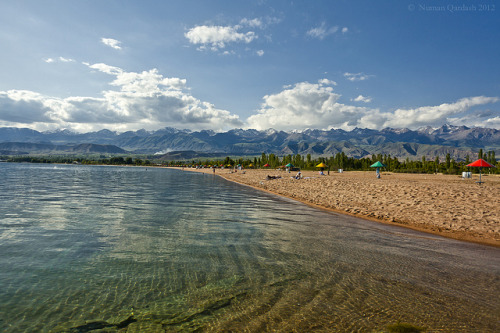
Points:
(458, 141)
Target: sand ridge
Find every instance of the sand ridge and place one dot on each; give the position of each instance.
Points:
(441, 204)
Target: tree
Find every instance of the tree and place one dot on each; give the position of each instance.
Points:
(448, 161)
(263, 159)
(117, 160)
(228, 161)
(436, 163)
(480, 155)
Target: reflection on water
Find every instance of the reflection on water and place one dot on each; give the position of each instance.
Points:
(135, 249)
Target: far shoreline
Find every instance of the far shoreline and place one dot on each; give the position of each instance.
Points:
(486, 234)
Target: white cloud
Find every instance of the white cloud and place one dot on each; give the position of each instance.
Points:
(254, 23)
(323, 31)
(260, 53)
(491, 123)
(344, 30)
(105, 68)
(424, 116)
(112, 43)
(357, 76)
(142, 100)
(66, 59)
(327, 82)
(309, 105)
(216, 37)
(362, 98)
(61, 59)
(22, 106)
(305, 105)
(488, 119)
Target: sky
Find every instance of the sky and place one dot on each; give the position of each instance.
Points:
(218, 65)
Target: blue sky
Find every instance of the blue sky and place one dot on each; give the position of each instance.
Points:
(288, 65)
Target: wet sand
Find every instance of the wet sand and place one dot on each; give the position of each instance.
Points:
(446, 205)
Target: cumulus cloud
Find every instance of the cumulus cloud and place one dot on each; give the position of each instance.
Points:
(357, 76)
(361, 98)
(22, 106)
(486, 118)
(141, 100)
(316, 105)
(260, 53)
(323, 31)
(216, 37)
(112, 43)
(424, 116)
(305, 105)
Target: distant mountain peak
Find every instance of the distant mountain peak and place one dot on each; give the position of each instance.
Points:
(396, 130)
(61, 131)
(251, 141)
(270, 131)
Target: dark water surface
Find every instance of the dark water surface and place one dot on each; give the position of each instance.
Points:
(84, 249)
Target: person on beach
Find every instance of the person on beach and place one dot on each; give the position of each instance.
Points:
(298, 175)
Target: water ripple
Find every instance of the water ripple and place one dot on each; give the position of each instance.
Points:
(134, 249)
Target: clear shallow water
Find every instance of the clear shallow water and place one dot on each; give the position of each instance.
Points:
(155, 250)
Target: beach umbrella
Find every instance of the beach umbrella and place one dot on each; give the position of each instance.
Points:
(321, 166)
(480, 163)
(250, 165)
(266, 165)
(377, 165)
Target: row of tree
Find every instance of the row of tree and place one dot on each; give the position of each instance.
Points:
(117, 160)
(339, 161)
(342, 161)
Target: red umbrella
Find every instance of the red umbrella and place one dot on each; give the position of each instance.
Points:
(480, 163)
(266, 165)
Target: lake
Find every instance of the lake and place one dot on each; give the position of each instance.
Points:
(89, 248)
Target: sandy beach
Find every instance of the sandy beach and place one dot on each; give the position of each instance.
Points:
(446, 205)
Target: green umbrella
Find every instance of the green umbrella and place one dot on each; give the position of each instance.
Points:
(289, 165)
(377, 165)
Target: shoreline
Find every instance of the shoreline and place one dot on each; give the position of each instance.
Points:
(443, 209)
